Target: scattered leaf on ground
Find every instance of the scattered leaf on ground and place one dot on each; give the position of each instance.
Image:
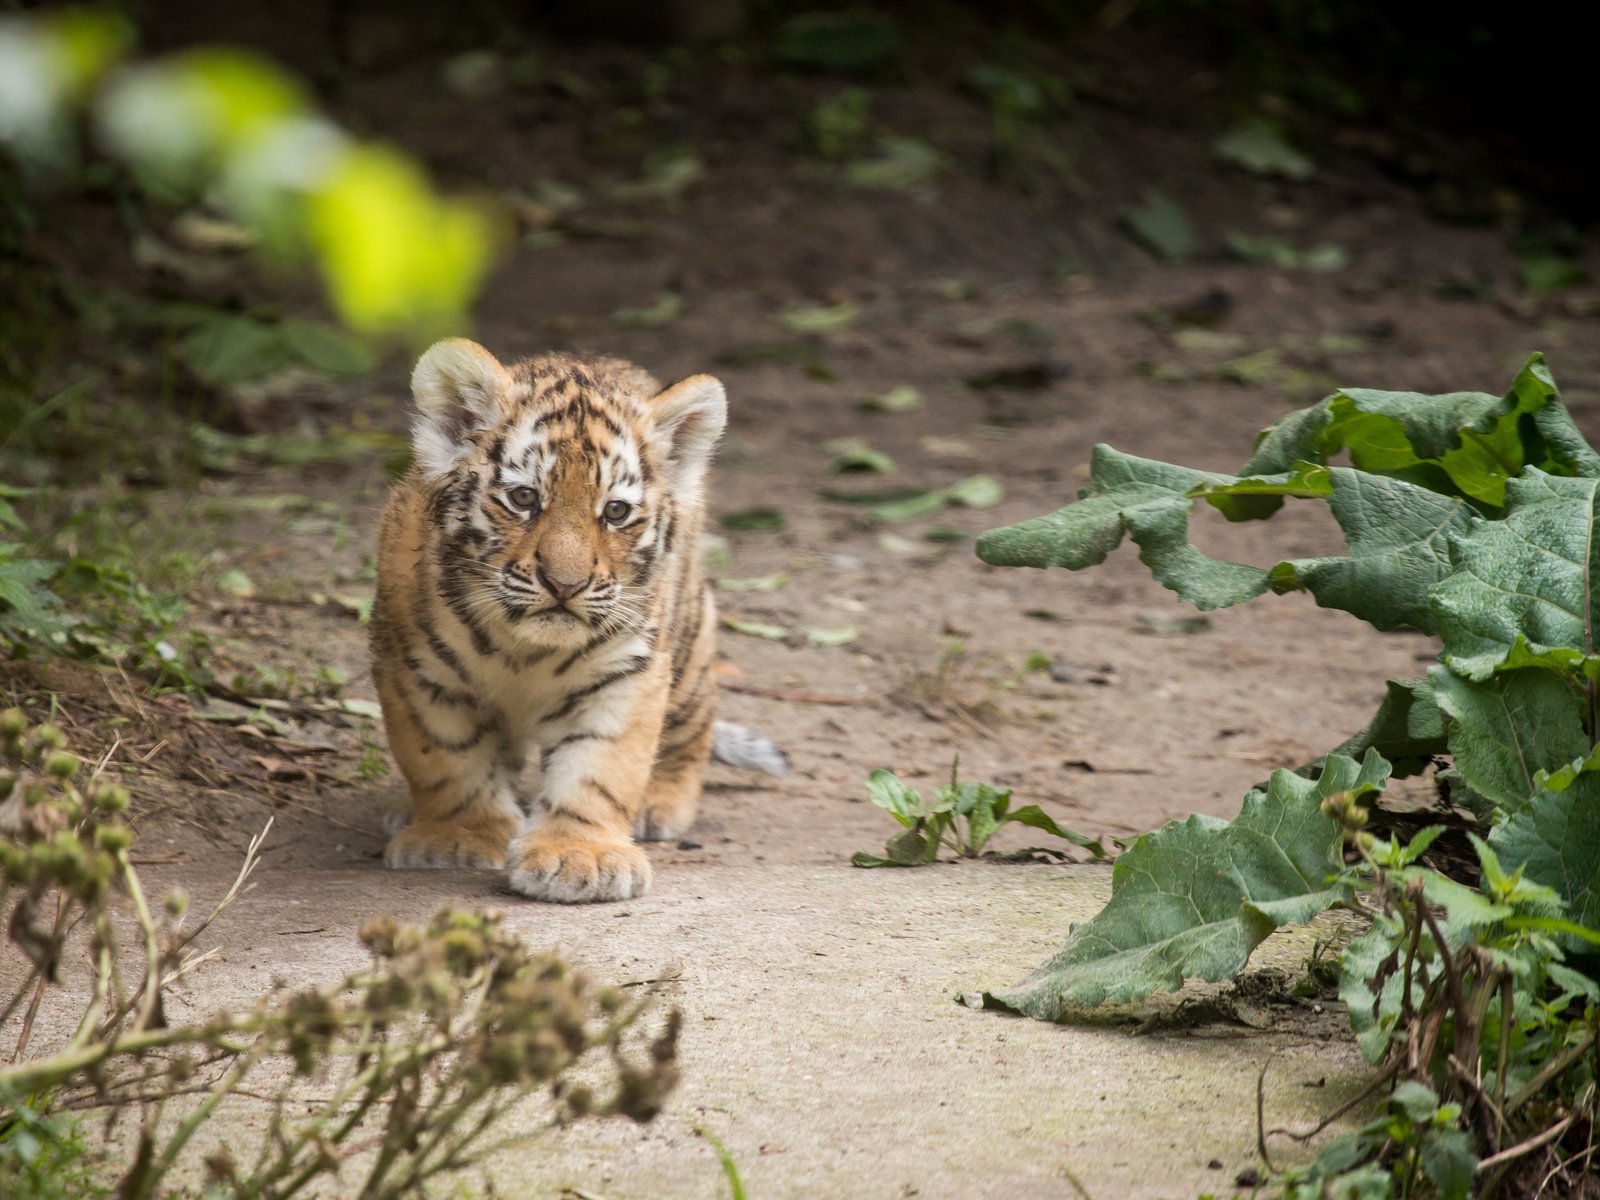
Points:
(841, 636)
(975, 491)
(1209, 341)
(665, 177)
(854, 455)
(236, 583)
(821, 318)
(1320, 258)
(902, 398)
(760, 629)
(848, 41)
(667, 309)
(1260, 148)
(755, 520)
(901, 164)
(1160, 225)
(760, 583)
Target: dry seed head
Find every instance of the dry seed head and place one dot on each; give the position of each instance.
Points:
(63, 764)
(181, 1069)
(109, 797)
(113, 838)
(220, 1167)
(378, 935)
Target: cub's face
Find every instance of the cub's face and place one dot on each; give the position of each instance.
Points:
(557, 486)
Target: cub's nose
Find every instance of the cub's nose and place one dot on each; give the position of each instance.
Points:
(560, 588)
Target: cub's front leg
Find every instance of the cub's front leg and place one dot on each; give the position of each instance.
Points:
(461, 771)
(599, 747)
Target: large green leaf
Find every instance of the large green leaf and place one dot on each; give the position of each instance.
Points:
(1141, 499)
(1506, 729)
(1556, 841)
(1459, 443)
(1399, 537)
(1196, 897)
(1407, 729)
(1522, 593)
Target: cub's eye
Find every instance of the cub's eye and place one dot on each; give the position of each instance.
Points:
(522, 499)
(618, 511)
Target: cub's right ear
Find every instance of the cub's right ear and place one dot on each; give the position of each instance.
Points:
(458, 386)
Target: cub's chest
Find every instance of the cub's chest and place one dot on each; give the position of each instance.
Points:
(547, 690)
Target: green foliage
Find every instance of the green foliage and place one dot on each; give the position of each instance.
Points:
(1426, 1150)
(86, 602)
(46, 1157)
(961, 817)
(1195, 898)
(1470, 516)
(853, 41)
(1160, 224)
(223, 123)
(838, 126)
(1259, 147)
(418, 1055)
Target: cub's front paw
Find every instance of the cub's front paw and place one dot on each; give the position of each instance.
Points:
(424, 844)
(546, 865)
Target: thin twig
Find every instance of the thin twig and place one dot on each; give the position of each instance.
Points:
(1261, 1117)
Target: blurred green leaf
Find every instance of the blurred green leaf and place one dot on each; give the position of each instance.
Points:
(976, 491)
(1260, 148)
(231, 349)
(821, 318)
(760, 583)
(755, 520)
(667, 309)
(840, 636)
(326, 349)
(900, 164)
(772, 633)
(853, 40)
(1160, 225)
(901, 398)
(394, 254)
(853, 454)
(667, 175)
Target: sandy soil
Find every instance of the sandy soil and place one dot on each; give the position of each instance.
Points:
(823, 1043)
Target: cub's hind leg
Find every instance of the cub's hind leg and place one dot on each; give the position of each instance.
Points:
(672, 796)
(457, 762)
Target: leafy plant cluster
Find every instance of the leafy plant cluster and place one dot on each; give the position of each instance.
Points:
(418, 1058)
(1470, 516)
(86, 607)
(962, 817)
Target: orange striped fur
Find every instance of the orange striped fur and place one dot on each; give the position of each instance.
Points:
(539, 591)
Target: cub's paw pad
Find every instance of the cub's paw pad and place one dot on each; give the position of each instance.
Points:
(419, 845)
(568, 871)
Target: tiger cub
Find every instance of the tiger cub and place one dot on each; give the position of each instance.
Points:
(539, 588)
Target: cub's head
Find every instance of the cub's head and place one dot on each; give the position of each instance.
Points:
(558, 485)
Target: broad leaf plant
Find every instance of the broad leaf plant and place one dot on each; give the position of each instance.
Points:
(1468, 516)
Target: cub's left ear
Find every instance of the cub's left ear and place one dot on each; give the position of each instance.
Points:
(689, 417)
(458, 387)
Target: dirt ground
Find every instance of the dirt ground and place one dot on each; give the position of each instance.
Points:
(823, 1043)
